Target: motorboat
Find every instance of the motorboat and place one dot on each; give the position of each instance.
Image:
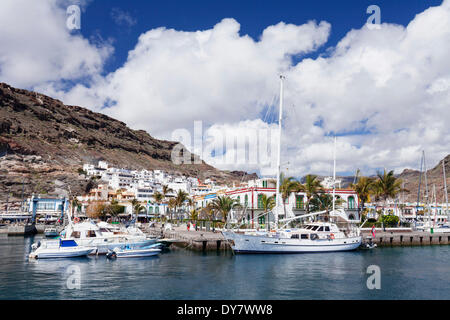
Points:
(104, 236)
(368, 244)
(313, 237)
(59, 249)
(128, 251)
(51, 232)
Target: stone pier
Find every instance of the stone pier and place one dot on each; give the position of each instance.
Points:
(195, 240)
(412, 238)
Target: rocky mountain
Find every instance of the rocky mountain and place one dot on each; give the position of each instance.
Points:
(435, 176)
(43, 143)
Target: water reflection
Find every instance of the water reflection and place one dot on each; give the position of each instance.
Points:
(406, 273)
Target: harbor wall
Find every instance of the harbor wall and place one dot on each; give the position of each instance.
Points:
(413, 238)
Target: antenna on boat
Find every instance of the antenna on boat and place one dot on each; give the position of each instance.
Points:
(280, 116)
(445, 190)
(426, 187)
(334, 173)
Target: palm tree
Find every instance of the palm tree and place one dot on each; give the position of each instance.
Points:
(387, 186)
(324, 202)
(137, 207)
(180, 198)
(363, 188)
(158, 197)
(172, 204)
(268, 203)
(311, 187)
(166, 190)
(194, 214)
(288, 185)
(223, 205)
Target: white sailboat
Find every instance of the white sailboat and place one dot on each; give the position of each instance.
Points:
(313, 237)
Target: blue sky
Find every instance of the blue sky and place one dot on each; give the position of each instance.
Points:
(253, 15)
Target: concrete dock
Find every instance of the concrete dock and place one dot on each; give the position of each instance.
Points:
(194, 240)
(412, 238)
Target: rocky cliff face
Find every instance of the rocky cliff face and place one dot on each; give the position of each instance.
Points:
(44, 142)
(434, 176)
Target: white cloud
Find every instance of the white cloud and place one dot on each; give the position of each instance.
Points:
(391, 82)
(36, 46)
(387, 89)
(172, 78)
(122, 18)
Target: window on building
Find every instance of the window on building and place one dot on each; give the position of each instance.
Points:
(46, 206)
(246, 200)
(299, 202)
(351, 202)
(260, 201)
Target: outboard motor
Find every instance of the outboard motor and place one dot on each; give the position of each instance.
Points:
(36, 245)
(111, 254)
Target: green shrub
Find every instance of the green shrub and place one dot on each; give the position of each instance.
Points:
(390, 220)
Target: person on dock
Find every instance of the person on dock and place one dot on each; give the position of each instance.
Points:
(188, 226)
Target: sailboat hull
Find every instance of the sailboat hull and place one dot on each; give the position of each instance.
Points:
(241, 243)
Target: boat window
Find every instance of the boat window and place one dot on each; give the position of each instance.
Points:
(90, 234)
(314, 228)
(320, 229)
(75, 234)
(104, 230)
(327, 228)
(294, 236)
(304, 236)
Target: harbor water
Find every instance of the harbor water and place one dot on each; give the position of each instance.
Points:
(406, 273)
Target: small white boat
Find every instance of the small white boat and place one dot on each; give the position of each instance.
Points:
(368, 244)
(51, 232)
(134, 252)
(59, 249)
(104, 236)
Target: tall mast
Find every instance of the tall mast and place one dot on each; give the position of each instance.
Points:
(445, 190)
(426, 187)
(334, 172)
(435, 204)
(280, 116)
(425, 173)
(420, 182)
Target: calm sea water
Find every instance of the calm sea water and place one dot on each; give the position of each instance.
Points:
(406, 273)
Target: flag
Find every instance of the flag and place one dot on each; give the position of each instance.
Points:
(373, 231)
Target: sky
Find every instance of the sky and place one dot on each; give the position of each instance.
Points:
(383, 89)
